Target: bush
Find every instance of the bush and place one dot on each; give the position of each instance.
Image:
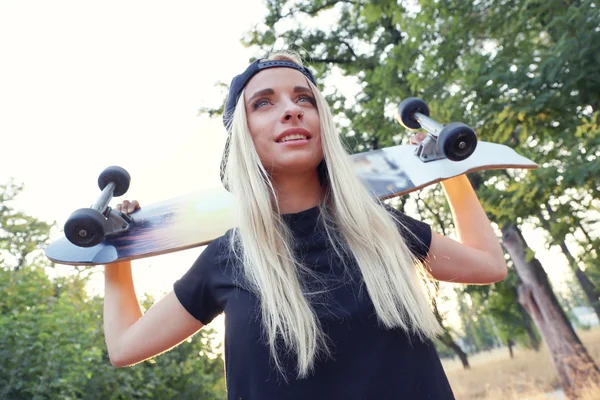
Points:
(52, 346)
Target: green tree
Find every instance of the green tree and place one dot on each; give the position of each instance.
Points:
(51, 333)
(21, 236)
(514, 325)
(518, 71)
(52, 346)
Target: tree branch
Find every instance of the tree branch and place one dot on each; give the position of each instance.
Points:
(330, 60)
(435, 215)
(395, 33)
(349, 48)
(316, 10)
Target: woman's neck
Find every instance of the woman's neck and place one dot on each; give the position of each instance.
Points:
(298, 192)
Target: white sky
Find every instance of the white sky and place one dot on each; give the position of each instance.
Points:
(85, 85)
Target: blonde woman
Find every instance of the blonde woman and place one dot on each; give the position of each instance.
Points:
(325, 291)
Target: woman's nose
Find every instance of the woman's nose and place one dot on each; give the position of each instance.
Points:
(293, 112)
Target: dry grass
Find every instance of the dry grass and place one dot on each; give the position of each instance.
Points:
(528, 376)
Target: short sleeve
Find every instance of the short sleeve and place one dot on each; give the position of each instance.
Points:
(195, 290)
(417, 234)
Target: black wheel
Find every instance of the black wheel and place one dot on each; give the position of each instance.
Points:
(407, 109)
(457, 141)
(117, 175)
(85, 227)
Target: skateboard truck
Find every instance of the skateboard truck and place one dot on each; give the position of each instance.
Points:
(87, 227)
(455, 141)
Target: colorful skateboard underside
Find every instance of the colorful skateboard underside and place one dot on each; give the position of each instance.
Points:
(197, 219)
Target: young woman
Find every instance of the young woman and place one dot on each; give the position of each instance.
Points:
(326, 291)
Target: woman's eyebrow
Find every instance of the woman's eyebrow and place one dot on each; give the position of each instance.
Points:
(269, 91)
(264, 92)
(300, 89)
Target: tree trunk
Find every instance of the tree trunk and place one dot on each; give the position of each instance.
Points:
(573, 363)
(527, 322)
(448, 341)
(446, 338)
(588, 237)
(510, 345)
(590, 290)
(497, 337)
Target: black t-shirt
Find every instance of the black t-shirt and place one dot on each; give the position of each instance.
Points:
(369, 361)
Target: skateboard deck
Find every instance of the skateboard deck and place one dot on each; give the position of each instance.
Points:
(197, 219)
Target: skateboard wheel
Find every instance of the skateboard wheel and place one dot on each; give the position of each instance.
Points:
(85, 227)
(407, 109)
(457, 141)
(117, 175)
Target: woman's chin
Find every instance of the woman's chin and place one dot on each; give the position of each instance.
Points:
(295, 167)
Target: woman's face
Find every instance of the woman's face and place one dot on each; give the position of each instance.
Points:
(284, 121)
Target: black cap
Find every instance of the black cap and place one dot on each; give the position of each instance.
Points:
(235, 89)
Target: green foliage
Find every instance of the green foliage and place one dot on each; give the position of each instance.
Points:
(478, 323)
(522, 73)
(51, 334)
(443, 350)
(21, 236)
(52, 346)
(500, 302)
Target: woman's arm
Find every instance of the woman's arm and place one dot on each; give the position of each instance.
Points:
(477, 256)
(131, 336)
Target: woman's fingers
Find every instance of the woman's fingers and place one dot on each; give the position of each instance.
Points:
(128, 206)
(418, 138)
(134, 205)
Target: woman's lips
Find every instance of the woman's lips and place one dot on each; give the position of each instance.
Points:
(293, 131)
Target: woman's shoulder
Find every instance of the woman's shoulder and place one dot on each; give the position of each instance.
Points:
(219, 249)
(418, 234)
(401, 216)
(212, 260)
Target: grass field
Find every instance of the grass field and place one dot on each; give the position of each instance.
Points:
(528, 376)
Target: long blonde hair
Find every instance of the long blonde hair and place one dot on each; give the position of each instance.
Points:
(399, 286)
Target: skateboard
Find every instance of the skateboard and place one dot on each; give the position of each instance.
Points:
(103, 235)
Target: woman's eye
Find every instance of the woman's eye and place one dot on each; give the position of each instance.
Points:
(307, 99)
(260, 103)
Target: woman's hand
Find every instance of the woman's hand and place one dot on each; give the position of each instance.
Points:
(132, 336)
(476, 257)
(128, 207)
(418, 138)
